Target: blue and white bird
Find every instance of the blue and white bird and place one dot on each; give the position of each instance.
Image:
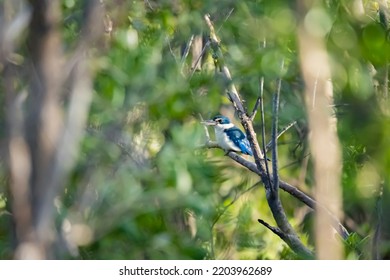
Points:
(228, 136)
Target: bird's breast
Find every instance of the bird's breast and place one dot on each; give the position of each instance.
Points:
(224, 141)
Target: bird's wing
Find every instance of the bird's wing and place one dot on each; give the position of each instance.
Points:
(245, 147)
(239, 139)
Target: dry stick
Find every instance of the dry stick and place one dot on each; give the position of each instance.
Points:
(274, 203)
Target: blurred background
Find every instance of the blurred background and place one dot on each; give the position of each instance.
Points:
(100, 136)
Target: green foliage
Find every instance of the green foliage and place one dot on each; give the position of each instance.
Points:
(355, 246)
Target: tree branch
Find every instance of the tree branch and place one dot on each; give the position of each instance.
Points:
(261, 98)
(275, 230)
(274, 202)
(269, 145)
(295, 192)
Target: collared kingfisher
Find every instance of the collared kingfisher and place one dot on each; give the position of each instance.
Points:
(228, 136)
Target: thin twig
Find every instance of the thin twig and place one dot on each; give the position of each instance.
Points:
(198, 59)
(274, 139)
(261, 98)
(149, 5)
(236, 197)
(223, 211)
(258, 100)
(227, 17)
(315, 89)
(206, 131)
(209, 144)
(186, 51)
(294, 162)
(171, 50)
(269, 145)
(255, 108)
(294, 191)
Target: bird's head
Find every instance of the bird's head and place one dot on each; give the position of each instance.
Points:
(219, 121)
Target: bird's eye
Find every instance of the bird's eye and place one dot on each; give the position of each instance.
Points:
(218, 120)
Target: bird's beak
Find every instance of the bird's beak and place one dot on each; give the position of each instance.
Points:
(209, 122)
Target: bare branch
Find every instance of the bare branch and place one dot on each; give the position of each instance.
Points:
(226, 18)
(269, 145)
(261, 98)
(255, 108)
(274, 138)
(186, 51)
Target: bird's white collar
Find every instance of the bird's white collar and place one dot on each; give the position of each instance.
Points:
(225, 126)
